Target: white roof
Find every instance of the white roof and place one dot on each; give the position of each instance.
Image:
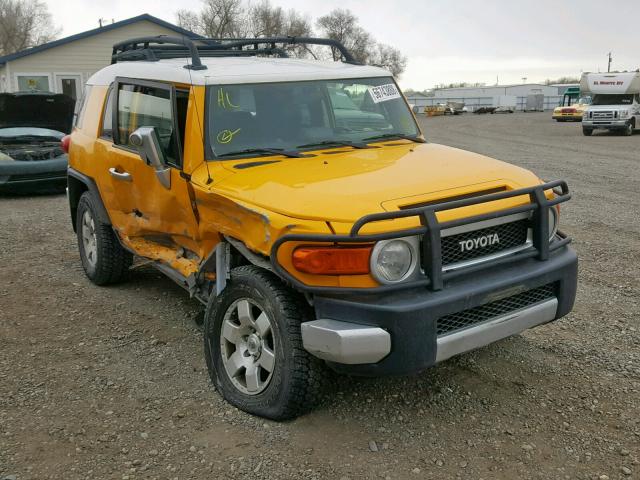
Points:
(611, 83)
(229, 70)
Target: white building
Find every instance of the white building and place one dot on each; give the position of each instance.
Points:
(475, 97)
(64, 65)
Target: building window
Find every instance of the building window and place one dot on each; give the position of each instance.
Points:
(33, 83)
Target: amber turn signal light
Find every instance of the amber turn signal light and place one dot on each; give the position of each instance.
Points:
(332, 260)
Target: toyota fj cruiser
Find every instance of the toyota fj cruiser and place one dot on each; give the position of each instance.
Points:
(299, 201)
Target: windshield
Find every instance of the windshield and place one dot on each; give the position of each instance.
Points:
(294, 115)
(583, 101)
(612, 100)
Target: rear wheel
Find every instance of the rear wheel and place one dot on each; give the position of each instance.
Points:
(587, 131)
(103, 258)
(253, 347)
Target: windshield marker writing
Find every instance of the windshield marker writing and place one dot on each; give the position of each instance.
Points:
(225, 136)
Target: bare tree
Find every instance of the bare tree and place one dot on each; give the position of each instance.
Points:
(240, 18)
(268, 21)
(24, 24)
(217, 19)
(390, 58)
(342, 25)
(189, 20)
(562, 80)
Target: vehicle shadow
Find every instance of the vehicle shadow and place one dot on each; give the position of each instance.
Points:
(22, 192)
(501, 372)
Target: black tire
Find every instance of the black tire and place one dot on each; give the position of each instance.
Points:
(587, 131)
(628, 130)
(298, 379)
(111, 263)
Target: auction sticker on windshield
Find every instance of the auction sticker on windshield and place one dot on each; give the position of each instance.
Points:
(383, 93)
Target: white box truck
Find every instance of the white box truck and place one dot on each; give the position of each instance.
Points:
(615, 101)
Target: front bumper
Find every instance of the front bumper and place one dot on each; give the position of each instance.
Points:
(573, 117)
(606, 124)
(30, 176)
(396, 332)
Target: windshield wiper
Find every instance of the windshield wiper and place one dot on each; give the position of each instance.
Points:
(274, 151)
(394, 135)
(346, 143)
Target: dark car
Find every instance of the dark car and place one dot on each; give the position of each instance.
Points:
(350, 116)
(32, 125)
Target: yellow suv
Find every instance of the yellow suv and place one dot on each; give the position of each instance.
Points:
(299, 201)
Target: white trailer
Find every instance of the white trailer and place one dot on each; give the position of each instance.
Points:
(615, 101)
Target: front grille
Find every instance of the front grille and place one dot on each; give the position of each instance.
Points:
(467, 246)
(605, 114)
(468, 318)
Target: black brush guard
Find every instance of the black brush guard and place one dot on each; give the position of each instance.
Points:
(433, 277)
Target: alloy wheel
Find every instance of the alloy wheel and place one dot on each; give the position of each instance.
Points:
(247, 346)
(89, 239)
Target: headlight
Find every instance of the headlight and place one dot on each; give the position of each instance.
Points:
(395, 260)
(554, 219)
(624, 113)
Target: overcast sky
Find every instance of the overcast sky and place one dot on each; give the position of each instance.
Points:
(448, 41)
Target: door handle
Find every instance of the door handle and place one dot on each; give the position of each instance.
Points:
(124, 176)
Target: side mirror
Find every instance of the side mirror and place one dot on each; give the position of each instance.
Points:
(146, 140)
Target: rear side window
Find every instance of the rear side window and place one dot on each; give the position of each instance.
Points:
(147, 106)
(83, 107)
(107, 117)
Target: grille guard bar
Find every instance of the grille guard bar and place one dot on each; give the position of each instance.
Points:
(430, 228)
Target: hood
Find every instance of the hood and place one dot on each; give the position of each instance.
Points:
(37, 109)
(342, 186)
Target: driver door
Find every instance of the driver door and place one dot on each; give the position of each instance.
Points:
(144, 210)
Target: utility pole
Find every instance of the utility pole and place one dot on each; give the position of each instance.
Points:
(609, 64)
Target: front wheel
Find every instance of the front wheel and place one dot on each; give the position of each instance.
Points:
(628, 129)
(253, 347)
(587, 131)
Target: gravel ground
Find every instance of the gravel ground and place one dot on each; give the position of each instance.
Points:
(111, 383)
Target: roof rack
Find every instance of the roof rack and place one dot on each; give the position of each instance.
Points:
(163, 47)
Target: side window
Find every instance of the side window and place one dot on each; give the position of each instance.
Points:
(182, 104)
(83, 106)
(145, 106)
(107, 116)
